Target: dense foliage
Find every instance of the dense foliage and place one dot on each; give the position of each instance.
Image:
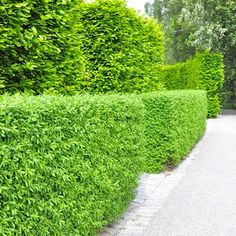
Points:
(196, 25)
(175, 120)
(121, 48)
(205, 71)
(168, 13)
(69, 165)
(39, 46)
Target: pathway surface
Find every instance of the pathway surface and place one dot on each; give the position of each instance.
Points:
(196, 199)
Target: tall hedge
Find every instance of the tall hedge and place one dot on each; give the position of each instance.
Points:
(39, 46)
(205, 71)
(121, 48)
(174, 122)
(212, 80)
(69, 165)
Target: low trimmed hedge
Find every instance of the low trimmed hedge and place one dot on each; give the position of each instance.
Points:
(175, 120)
(205, 71)
(69, 165)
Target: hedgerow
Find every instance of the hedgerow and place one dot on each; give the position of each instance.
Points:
(69, 165)
(40, 47)
(205, 72)
(121, 48)
(212, 80)
(174, 122)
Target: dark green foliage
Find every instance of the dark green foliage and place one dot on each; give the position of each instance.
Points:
(170, 13)
(39, 46)
(69, 165)
(175, 120)
(121, 48)
(205, 72)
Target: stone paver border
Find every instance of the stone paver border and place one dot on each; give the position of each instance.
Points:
(152, 191)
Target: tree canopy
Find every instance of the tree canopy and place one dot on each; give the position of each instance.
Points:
(195, 25)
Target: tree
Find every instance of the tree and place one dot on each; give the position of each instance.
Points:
(168, 13)
(196, 25)
(213, 28)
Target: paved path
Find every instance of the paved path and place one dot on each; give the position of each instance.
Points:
(197, 199)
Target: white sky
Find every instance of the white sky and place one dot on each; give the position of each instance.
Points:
(137, 4)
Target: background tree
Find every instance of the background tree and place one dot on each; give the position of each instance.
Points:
(168, 12)
(195, 25)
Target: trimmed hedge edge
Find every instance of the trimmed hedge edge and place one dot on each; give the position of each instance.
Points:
(205, 71)
(69, 165)
(174, 122)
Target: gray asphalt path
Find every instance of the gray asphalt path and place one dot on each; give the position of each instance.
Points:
(203, 203)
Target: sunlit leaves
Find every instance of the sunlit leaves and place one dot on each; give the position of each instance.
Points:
(68, 165)
(121, 48)
(175, 120)
(39, 46)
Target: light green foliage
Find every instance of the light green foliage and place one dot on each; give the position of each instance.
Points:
(121, 48)
(175, 120)
(172, 76)
(39, 46)
(212, 79)
(69, 165)
(205, 72)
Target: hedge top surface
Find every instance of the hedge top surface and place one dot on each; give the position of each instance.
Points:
(175, 93)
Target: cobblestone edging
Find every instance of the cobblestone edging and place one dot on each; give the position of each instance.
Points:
(152, 191)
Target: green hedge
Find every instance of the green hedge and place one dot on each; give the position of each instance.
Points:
(69, 165)
(121, 48)
(205, 72)
(40, 46)
(175, 120)
(70, 46)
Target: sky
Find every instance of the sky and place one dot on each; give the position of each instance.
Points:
(137, 4)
